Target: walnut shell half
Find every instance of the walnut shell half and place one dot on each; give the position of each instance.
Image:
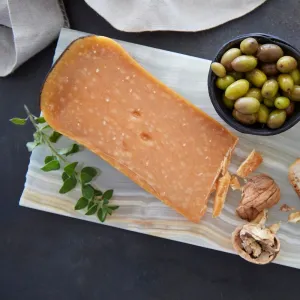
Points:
(256, 243)
(259, 193)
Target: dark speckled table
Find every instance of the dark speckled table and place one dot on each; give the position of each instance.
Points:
(45, 256)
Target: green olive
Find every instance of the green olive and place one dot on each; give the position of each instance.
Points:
(295, 93)
(224, 82)
(244, 119)
(269, 89)
(236, 75)
(237, 89)
(269, 69)
(247, 105)
(286, 82)
(286, 64)
(269, 53)
(218, 69)
(228, 103)
(269, 102)
(249, 46)
(276, 118)
(256, 77)
(296, 76)
(229, 56)
(290, 110)
(263, 114)
(255, 93)
(282, 102)
(244, 63)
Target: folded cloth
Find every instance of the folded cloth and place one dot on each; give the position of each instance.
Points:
(177, 15)
(28, 26)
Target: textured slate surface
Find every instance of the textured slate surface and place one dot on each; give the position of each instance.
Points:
(52, 257)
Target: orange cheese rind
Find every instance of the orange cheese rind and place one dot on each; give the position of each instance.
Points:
(251, 163)
(234, 183)
(221, 193)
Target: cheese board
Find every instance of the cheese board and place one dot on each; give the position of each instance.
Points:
(141, 212)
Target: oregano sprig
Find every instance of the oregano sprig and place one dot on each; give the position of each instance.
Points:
(94, 201)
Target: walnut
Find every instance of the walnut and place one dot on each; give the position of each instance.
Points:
(286, 208)
(261, 217)
(256, 243)
(258, 193)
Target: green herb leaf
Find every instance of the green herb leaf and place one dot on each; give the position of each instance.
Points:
(54, 137)
(91, 203)
(69, 184)
(92, 210)
(40, 120)
(87, 174)
(105, 201)
(90, 171)
(49, 158)
(87, 192)
(18, 121)
(113, 207)
(64, 176)
(69, 150)
(70, 168)
(110, 208)
(108, 194)
(97, 193)
(101, 214)
(81, 203)
(38, 137)
(51, 166)
(46, 127)
(31, 145)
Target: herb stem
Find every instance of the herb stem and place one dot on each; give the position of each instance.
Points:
(53, 150)
(78, 177)
(43, 135)
(31, 118)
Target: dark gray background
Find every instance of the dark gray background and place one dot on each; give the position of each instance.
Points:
(45, 256)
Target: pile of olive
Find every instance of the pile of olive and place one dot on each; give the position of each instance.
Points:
(261, 84)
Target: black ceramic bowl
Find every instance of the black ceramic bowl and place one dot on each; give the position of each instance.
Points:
(216, 94)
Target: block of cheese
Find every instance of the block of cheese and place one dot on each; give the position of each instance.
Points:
(99, 96)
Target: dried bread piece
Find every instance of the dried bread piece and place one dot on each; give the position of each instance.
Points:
(294, 176)
(251, 163)
(221, 193)
(99, 96)
(234, 183)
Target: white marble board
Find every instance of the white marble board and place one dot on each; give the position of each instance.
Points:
(141, 212)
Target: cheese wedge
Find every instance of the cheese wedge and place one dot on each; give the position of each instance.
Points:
(99, 96)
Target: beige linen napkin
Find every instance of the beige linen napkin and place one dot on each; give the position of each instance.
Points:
(26, 27)
(177, 15)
